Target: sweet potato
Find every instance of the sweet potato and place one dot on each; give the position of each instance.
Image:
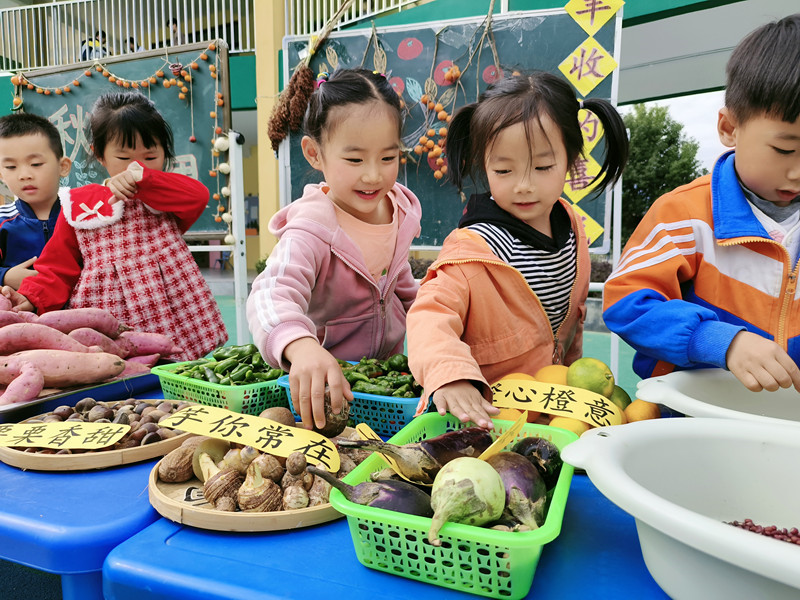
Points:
(27, 385)
(74, 318)
(92, 337)
(140, 343)
(8, 318)
(148, 360)
(5, 303)
(34, 336)
(27, 316)
(61, 368)
(133, 368)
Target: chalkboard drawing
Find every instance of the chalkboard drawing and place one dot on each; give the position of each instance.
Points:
(409, 49)
(440, 66)
(66, 95)
(186, 164)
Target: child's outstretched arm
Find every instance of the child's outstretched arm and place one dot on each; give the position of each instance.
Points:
(58, 269)
(439, 359)
(761, 364)
(312, 370)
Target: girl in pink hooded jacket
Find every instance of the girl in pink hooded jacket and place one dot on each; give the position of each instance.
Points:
(338, 283)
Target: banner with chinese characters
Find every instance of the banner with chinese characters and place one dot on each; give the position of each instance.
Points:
(589, 64)
(555, 399)
(262, 434)
(66, 435)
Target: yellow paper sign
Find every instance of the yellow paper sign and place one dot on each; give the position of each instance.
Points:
(505, 438)
(263, 434)
(555, 399)
(366, 432)
(62, 435)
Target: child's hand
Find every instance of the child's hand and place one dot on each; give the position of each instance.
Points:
(17, 273)
(465, 402)
(312, 368)
(18, 301)
(123, 186)
(760, 363)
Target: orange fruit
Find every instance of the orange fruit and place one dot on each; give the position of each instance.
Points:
(641, 410)
(574, 425)
(553, 374)
(508, 414)
(620, 397)
(524, 376)
(591, 374)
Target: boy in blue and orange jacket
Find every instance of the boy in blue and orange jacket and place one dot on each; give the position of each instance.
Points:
(709, 277)
(32, 163)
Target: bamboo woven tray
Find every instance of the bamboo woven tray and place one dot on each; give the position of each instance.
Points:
(184, 503)
(98, 459)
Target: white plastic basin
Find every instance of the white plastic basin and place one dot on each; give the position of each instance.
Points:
(717, 393)
(682, 479)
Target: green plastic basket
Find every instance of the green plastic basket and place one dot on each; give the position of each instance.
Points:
(497, 564)
(249, 399)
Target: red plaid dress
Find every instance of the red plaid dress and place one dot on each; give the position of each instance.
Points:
(137, 266)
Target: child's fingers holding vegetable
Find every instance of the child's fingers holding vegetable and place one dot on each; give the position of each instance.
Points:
(310, 364)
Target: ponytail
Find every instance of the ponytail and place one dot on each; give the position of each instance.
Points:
(460, 161)
(616, 140)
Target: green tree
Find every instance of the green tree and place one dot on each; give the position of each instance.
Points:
(661, 158)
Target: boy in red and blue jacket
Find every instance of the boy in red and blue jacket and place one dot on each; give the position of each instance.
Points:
(32, 163)
(709, 277)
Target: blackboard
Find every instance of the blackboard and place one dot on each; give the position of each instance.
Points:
(187, 116)
(530, 40)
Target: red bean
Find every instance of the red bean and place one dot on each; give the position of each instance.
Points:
(785, 535)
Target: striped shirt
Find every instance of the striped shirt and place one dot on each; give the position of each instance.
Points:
(550, 274)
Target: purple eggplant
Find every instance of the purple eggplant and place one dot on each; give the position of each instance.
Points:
(526, 493)
(398, 496)
(544, 455)
(421, 461)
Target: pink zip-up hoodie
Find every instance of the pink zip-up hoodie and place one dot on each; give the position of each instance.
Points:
(316, 284)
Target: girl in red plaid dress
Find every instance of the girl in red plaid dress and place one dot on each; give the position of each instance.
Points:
(119, 246)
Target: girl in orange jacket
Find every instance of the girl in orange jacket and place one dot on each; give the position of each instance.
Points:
(507, 292)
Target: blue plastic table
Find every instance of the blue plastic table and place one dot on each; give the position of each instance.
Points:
(597, 555)
(67, 522)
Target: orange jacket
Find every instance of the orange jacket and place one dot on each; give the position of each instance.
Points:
(475, 317)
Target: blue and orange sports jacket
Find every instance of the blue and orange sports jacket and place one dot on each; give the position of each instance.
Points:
(22, 234)
(700, 268)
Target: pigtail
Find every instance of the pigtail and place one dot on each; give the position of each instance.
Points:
(459, 146)
(616, 154)
(287, 114)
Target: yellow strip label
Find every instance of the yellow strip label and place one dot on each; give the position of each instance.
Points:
(263, 434)
(366, 432)
(505, 438)
(555, 399)
(70, 435)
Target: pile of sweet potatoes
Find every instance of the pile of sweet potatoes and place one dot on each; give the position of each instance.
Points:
(72, 347)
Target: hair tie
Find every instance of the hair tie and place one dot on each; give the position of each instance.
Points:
(580, 104)
(321, 78)
(379, 73)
